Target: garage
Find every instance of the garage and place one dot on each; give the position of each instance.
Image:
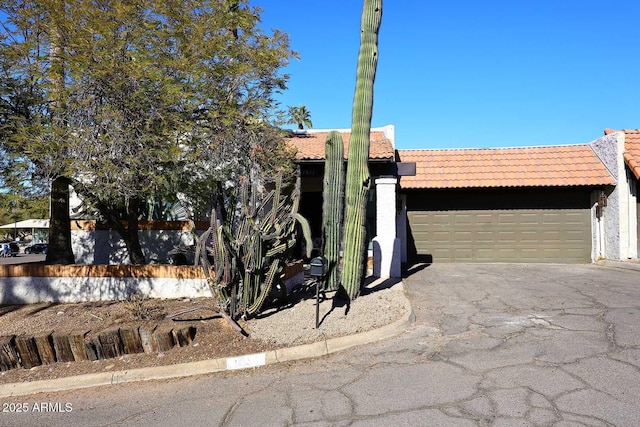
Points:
(531, 205)
(503, 235)
(501, 225)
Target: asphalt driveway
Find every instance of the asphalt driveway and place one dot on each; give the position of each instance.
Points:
(547, 344)
(491, 345)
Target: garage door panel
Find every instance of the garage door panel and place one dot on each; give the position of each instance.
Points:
(530, 219)
(484, 255)
(562, 235)
(485, 219)
(462, 253)
(485, 237)
(506, 219)
(530, 255)
(529, 237)
(554, 236)
(506, 236)
(441, 219)
(464, 219)
(442, 237)
(463, 236)
(553, 218)
(508, 255)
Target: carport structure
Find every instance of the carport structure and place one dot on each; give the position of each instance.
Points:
(32, 225)
(530, 204)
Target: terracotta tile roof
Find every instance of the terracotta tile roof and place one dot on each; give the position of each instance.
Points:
(569, 165)
(310, 146)
(631, 149)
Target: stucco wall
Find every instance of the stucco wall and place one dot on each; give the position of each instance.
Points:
(609, 151)
(28, 290)
(631, 240)
(386, 246)
(106, 247)
(620, 223)
(28, 284)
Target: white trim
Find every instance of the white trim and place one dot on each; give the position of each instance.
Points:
(28, 223)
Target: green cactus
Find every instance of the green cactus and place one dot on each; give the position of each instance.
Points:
(250, 248)
(332, 207)
(358, 179)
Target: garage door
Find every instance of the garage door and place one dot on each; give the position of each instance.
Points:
(557, 235)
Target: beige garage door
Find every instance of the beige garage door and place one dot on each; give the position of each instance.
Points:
(558, 235)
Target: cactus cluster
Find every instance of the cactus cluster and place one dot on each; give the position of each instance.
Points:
(333, 206)
(244, 255)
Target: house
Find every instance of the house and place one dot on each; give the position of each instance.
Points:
(530, 204)
(310, 155)
(570, 203)
(567, 204)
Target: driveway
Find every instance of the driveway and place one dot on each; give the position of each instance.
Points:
(545, 344)
(491, 345)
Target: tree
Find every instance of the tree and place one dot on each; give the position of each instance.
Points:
(147, 87)
(300, 116)
(358, 179)
(18, 98)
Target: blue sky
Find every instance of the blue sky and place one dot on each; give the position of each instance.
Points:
(469, 73)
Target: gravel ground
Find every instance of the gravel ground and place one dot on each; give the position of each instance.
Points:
(379, 304)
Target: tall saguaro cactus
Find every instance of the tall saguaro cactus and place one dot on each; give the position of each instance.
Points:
(358, 179)
(333, 206)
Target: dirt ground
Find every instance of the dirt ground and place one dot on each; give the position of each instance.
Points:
(276, 327)
(214, 336)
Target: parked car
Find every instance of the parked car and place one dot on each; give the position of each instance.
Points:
(37, 248)
(10, 249)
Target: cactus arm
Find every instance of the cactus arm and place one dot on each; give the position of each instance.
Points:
(266, 287)
(306, 232)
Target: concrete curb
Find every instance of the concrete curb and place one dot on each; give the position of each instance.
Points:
(305, 351)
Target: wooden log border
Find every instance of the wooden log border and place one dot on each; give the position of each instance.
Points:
(27, 351)
(149, 271)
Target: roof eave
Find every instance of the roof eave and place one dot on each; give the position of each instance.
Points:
(374, 160)
(404, 186)
(634, 166)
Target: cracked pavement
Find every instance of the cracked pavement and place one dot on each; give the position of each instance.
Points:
(492, 345)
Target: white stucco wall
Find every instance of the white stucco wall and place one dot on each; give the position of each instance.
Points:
(597, 241)
(386, 245)
(28, 290)
(25, 284)
(631, 217)
(31, 290)
(401, 227)
(106, 247)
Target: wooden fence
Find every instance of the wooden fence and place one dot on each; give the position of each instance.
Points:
(132, 271)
